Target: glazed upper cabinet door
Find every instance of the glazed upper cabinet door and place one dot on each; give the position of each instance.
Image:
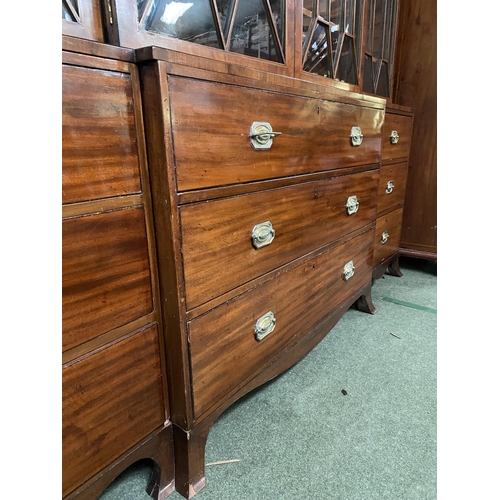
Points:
(331, 33)
(252, 28)
(82, 19)
(378, 46)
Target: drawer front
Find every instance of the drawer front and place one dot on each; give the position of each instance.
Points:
(105, 274)
(219, 251)
(403, 126)
(224, 349)
(389, 224)
(392, 185)
(99, 142)
(211, 131)
(111, 400)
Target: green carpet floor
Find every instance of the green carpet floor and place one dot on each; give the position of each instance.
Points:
(354, 420)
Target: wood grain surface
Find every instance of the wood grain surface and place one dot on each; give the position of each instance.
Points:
(391, 223)
(403, 125)
(211, 128)
(99, 143)
(397, 173)
(105, 273)
(417, 87)
(111, 400)
(217, 246)
(224, 351)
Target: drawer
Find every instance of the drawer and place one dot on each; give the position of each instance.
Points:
(211, 132)
(223, 345)
(402, 125)
(392, 185)
(99, 142)
(105, 274)
(218, 249)
(111, 400)
(389, 224)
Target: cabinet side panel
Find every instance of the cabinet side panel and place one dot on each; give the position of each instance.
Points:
(417, 88)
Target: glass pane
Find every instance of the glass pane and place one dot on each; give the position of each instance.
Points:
(383, 81)
(67, 12)
(141, 5)
(347, 70)
(336, 11)
(335, 37)
(323, 9)
(318, 59)
(277, 10)
(307, 15)
(187, 20)
(369, 28)
(389, 33)
(368, 75)
(225, 9)
(378, 28)
(349, 16)
(252, 34)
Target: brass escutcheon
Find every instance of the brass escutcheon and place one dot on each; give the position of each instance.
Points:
(356, 136)
(261, 135)
(348, 270)
(352, 205)
(263, 234)
(265, 325)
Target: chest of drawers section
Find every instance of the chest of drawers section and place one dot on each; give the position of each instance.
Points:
(396, 141)
(114, 392)
(265, 235)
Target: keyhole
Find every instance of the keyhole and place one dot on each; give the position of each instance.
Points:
(315, 193)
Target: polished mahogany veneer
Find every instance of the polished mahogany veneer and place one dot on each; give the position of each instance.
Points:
(224, 349)
(212, 145)
(387, 235)
(99, 143)
(396, 143)
(111, 400)
(105, 274)
(392, 185)
(396, 125)
(115, 402)
(304, 217)
(202, 254)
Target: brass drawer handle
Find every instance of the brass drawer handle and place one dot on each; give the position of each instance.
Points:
(352, 205)
(263, 234)
(356, 136)
(348, 270)
(389, 187)
(394, 137)
(261, 135)
(265, 325)
(385, 237)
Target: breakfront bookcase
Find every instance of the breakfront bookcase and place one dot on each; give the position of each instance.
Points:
(233, 180)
